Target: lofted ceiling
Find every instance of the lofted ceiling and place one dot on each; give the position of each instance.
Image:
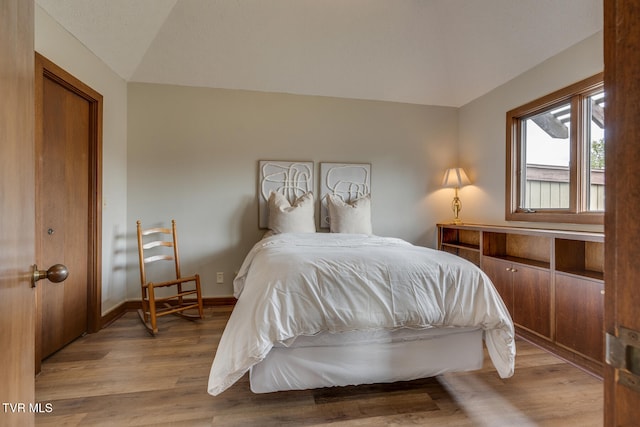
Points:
(432, 52)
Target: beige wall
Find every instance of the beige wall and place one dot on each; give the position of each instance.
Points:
(482, 132)
(193, 155)
(209, 142)
(56, 44)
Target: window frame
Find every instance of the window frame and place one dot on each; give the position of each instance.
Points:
(577, 212)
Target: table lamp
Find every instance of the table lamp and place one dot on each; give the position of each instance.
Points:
(455, 177)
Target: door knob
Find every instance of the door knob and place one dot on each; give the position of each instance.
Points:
(56, 273)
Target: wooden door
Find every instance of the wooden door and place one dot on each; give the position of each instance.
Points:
(622, 228)
(500, 274)
(525, 291)
(16, 211)
(66, 211)
(579, 310)
(532, 299)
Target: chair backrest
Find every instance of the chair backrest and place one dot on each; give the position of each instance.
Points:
(159, 237)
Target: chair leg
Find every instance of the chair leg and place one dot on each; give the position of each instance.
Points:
(180, 302)
(199, 295)
(143, 312)
(152, 310)
(145, 306)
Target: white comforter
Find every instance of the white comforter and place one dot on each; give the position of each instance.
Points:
(301, 284)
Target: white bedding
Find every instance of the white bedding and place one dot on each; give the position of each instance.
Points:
(303, 284)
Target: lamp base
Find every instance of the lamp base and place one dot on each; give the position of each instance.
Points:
(456, 206)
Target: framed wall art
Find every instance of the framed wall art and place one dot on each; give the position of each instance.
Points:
(349, 181)
(292, 179)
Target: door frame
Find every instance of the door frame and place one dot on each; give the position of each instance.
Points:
(622, 229)
(44, 68)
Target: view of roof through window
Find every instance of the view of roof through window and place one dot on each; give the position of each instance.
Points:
(548, 133)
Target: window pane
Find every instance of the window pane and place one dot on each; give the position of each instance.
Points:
(595, 173)
(546, 162)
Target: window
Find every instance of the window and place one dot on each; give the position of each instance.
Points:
(555, 156)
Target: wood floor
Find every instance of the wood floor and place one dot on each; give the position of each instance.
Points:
(121, 376)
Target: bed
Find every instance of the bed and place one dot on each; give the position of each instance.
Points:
(335, 309)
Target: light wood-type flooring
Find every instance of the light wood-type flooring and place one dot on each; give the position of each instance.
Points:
(122, 376)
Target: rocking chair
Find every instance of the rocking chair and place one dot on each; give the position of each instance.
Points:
(159, 304)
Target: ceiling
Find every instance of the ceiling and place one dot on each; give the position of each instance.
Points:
(432, 52)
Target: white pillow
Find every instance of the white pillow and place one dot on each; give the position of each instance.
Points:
(354, 217)
(287, 218)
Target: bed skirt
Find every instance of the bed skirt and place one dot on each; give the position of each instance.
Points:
(351, 359)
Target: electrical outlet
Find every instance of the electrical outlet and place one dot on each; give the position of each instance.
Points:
(219, 277)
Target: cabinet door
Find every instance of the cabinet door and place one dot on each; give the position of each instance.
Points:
(499, 272)
(532, 299)
(579, 315)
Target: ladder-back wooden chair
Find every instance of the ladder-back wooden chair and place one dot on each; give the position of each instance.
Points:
(153, 244)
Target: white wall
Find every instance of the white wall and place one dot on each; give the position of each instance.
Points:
(482, 143)
(193, 155)
(57, 45)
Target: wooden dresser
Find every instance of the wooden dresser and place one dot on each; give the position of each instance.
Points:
(552, 282)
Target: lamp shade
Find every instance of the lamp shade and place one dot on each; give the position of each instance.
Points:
(455, 177)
